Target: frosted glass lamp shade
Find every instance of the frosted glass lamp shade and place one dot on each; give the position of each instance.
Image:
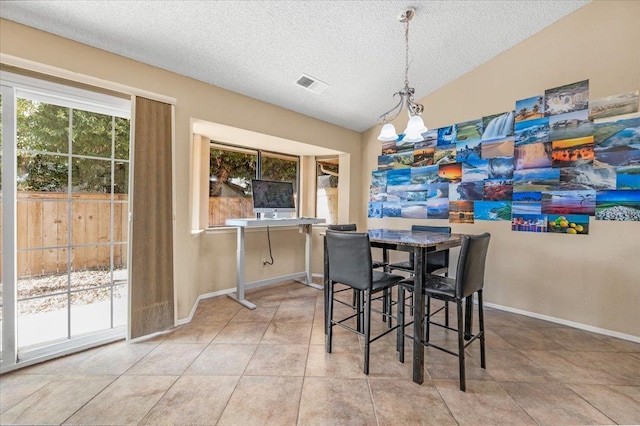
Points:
(388, 133)
(415, 127)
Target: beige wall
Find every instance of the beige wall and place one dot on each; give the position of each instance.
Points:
(203, 263)
(592, 280)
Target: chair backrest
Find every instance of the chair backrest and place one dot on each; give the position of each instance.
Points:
(344, 227)
(349, 258)
(439, 259)
(471, 263)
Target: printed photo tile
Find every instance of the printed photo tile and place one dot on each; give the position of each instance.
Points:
(461, 211)
(492, 210)
(529, 109)
(567, 98)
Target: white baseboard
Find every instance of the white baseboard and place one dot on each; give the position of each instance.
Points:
(573, 324)
(202, 297)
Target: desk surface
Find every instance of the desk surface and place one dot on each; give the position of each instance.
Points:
(285, 221)
(413, 238)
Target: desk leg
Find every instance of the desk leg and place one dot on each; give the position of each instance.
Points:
(238, 296)
(307, 256)
(418, 313)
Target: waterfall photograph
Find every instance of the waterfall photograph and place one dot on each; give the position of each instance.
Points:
(497, 126)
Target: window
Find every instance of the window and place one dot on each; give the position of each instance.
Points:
(231, 169)
(327, 189)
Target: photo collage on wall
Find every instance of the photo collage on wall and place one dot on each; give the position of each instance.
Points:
(546, 166)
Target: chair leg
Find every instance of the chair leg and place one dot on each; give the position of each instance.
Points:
(461, 346)
(385, 305)
(483, 363)
(329, 314)
(367, 332)
(400, 333)
(427, 318)
(446, 314)
(360, 318)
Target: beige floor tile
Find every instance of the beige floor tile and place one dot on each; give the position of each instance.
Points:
(555, 404)
(221, 359)
(623, 366)
(15, 387)
(202, 331)
(278, 360)
(213, 313)
(115, 358)
(620, 403)
(513, 366)
(125, 402)
(296, 310)
(621, 345)
(287, 333)
(260, 314)
(577, 340)
(241, 332)
(567, 367)
(263, 400)
(331, 401)
(196, 400)
(527, 338)
(63, 365)
(56, 401)
(343, 362)
(168, 359)
(483, 403)
(404, 402)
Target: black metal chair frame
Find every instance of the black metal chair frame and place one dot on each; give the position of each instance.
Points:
(407, 266)
(387, 301)
(353, 277)
(469, 280)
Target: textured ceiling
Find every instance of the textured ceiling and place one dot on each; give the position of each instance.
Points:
(260, 48)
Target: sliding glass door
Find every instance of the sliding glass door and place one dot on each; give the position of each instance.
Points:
(64, 253)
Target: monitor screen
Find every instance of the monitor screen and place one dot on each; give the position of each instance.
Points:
(271, 196)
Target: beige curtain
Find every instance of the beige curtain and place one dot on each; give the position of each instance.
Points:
(151, 262)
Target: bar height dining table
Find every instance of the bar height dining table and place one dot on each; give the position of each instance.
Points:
(421, 244)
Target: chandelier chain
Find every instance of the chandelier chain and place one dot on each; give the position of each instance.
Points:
(406, 53)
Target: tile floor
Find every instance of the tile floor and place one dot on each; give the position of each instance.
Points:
(232, 366)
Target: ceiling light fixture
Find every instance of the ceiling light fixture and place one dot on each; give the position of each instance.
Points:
(415, 126)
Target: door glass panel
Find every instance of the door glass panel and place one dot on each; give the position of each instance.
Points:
(90, 311)
(42, 222)
(42, 173)
(122, 126)
(92, 134)
(42, 127)
(90, 267)
(121, 178)
(42, 272)
(89, 175)
(42, 320)
(120, 222)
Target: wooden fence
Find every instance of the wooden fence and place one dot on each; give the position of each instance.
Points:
(43, 223)
(221, 208)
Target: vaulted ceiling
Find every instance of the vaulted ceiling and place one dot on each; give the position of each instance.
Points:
(261, 48)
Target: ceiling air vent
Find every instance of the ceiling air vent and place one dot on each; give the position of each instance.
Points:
(312, 84)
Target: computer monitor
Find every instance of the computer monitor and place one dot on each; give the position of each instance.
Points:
(271, 197)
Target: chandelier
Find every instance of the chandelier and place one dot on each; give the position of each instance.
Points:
(415, 126)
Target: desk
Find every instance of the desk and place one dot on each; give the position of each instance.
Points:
(420, 243)
(241, 225)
